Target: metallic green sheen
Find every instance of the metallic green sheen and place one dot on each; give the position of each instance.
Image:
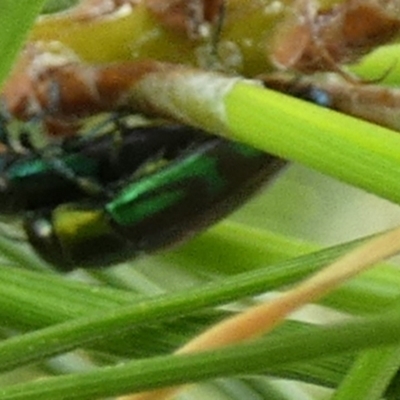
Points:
(198, 165)
(37, 166)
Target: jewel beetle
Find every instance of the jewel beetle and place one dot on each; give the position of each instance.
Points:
(153, 211)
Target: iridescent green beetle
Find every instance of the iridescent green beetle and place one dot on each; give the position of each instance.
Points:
(97, 200)
(154, 211)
